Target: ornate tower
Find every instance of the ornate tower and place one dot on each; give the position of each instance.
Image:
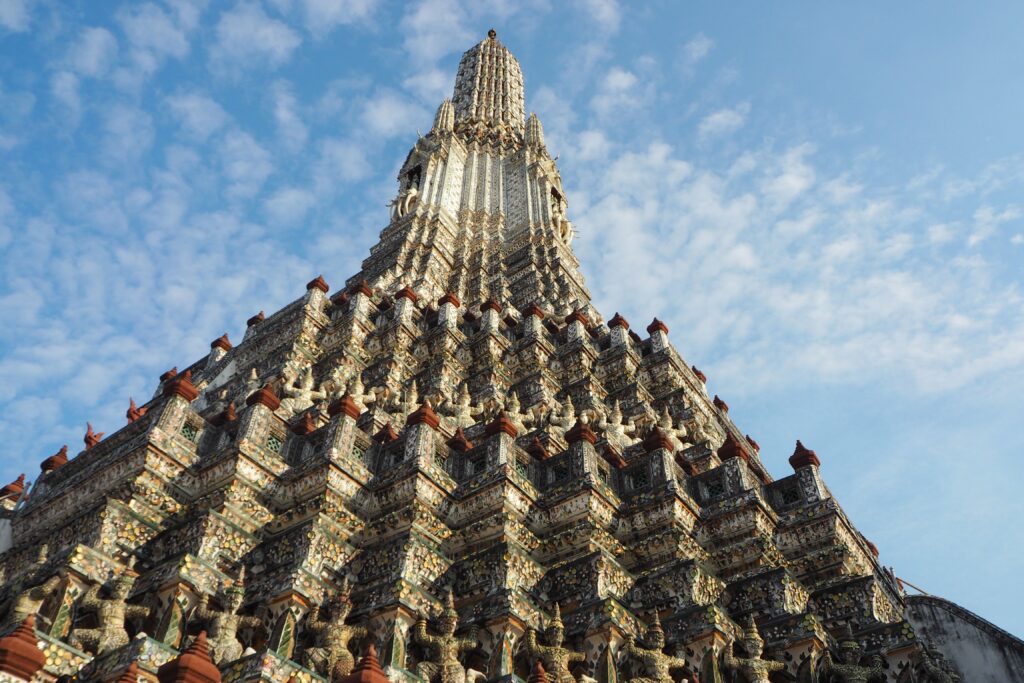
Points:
(455, 433)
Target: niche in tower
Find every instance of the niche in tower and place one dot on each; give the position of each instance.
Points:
(413, 177)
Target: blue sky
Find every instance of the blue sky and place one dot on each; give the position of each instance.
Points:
(822, 200)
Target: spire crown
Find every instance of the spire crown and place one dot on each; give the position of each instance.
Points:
(489, 87)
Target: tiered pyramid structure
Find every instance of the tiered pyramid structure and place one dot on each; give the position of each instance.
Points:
(453, 458)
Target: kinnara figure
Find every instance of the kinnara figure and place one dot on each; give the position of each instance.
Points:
(443, 665)
(754, 668)
(932, 668)
(656, 664)
(222, 625)
(849, 669)
(556, 659)
(110, 615)
(330, 656)
(24, 601)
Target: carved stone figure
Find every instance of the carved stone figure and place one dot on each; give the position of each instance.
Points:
(462, 409)
(443, 664)
(932, 667)
(755, 669)
(513, 410)
(303, 395)
(656, 664)
(849, 670)
(677, 435)
(556, 658)
(330, 656)
(620, 436)
(25, 601)
(110, 615)
(357, 391)
(562, 418)
(222, 625)
(404, 203)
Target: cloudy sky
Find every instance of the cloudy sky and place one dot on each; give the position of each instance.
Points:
(822, 201)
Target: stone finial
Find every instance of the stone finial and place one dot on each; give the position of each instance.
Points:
(194, 665)
(501, 423)
(182, 386)
(407, 293)
(534, 310)
(491, 305)
(14, 489)
(58, 459)
(318, 283)
(657, 326)
(221, 342)
(720, 404)
(91, 438)
(386, 434)
(367, 670)
(169, 374)
(537, 450)
(732, 448)
(20, 655)
(534, 132)
(264, 397)
(340, 299)
(581, 431)
(613, 457)
(444, 119)
(537, 674)
(424, 415)
(362, 287)
(803, 456)
(227, 415)
(449, 298)
(700, 375)
(618, 321)
(753, 444)
(459, 442)
(255, 320)
(131, 674)
(658, 439)
(872, 547)
(134, 412)
(306, 425)
(344, 405)
(577, 316)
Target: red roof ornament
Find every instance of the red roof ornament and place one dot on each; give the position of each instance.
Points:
(700, 375)
(803, 456)
(753, 444)
(182, 386)
(221, 342)
(459, 442)
(362, 287)
(618, 321)
(537, 450)
(367, 670)
(264, 397)
(318, 283)
(449, 298)
(613, 457)
(720, 404)
(169, 374)
(255, 320)
(424, 415)
(577, 316)
(192, 666)
(91, 438)
(581, 431)
(534, 310)
(657, 439)
(307, 425)
(340, 299)
(501, 423)
(657, 325)
(406, 293)
(134, 412)
(14, 489)
(538, 675)
(386, 434)
(20, 655)
(872, 547)
(732, 449)
(225, 416)
(344, 405)
(491, 305)
(58, 459)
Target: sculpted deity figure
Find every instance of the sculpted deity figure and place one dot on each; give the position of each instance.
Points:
(462, 410)
(222, 625)
(513, 410)
(329, 656)
(409, 402)
(933, 668)
(849, 670)
(110, 616)
(563, 417)
(620, 436)
(357, 391)
(23, 600)
(755, 669)
(445, 648)
(556, 658)
(656, 664)
(302, 396)
(675, 434)
(340, 378)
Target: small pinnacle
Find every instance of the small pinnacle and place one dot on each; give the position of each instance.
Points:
(492, 34)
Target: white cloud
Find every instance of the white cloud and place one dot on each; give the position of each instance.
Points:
(434, 28)
(247, 37)
(605, 13)
(940, 233)
(1017, 239)
(246, 165)
(290, 127)
(723, 121)
(93, 53)
(320, 17)
(14, 15)
(289, 205)
(696, 49)
(64, 87)
(128, 133)
(617, 92)
(791, 177)
(987, 220)
(388, 113)
(199, 115)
